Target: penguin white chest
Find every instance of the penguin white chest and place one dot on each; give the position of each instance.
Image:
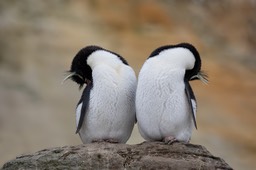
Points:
(111, 111)
(161, 104)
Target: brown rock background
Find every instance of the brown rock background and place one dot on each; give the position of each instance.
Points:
(38, 40)
(147, 155)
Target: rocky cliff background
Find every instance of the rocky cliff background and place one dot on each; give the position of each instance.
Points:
(38, 40)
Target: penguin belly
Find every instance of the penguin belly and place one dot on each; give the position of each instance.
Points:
(111, 110)
(162, 107)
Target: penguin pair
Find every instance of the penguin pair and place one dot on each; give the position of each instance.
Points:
(162, 101)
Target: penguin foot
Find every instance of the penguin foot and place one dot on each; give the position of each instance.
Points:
(105, 140)
(111, 140)
(169, 140)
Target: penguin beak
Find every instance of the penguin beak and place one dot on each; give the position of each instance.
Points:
(202, 76)
(69, 76)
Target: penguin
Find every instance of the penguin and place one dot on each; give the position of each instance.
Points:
(106, 109)
(165, 102)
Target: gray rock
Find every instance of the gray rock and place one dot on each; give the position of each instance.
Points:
(147, 155)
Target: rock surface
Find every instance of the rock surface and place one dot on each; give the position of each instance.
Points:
(147, 155)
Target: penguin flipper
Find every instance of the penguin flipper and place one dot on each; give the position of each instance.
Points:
(85, 102)
(191, 100)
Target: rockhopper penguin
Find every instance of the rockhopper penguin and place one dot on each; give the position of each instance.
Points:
(106, 110)
(165, 102)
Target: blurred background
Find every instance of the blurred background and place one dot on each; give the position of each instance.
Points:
(38, 40)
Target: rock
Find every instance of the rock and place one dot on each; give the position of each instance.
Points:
(147, 155)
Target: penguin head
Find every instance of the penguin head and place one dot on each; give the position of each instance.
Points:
(82, 64)
(185, 55)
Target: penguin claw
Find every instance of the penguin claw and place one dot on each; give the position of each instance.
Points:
(170, 140)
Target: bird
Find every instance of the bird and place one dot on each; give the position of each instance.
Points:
(165, 103)
(106, 109)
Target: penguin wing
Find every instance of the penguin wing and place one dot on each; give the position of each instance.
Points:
(191, 100)
(85, 102)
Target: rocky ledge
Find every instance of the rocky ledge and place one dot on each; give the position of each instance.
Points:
(147, 155)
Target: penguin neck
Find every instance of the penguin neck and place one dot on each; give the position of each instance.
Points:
(178, 58)
(103, 57)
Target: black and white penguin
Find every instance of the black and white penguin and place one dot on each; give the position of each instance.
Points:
(165, 102)
(106, 110)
